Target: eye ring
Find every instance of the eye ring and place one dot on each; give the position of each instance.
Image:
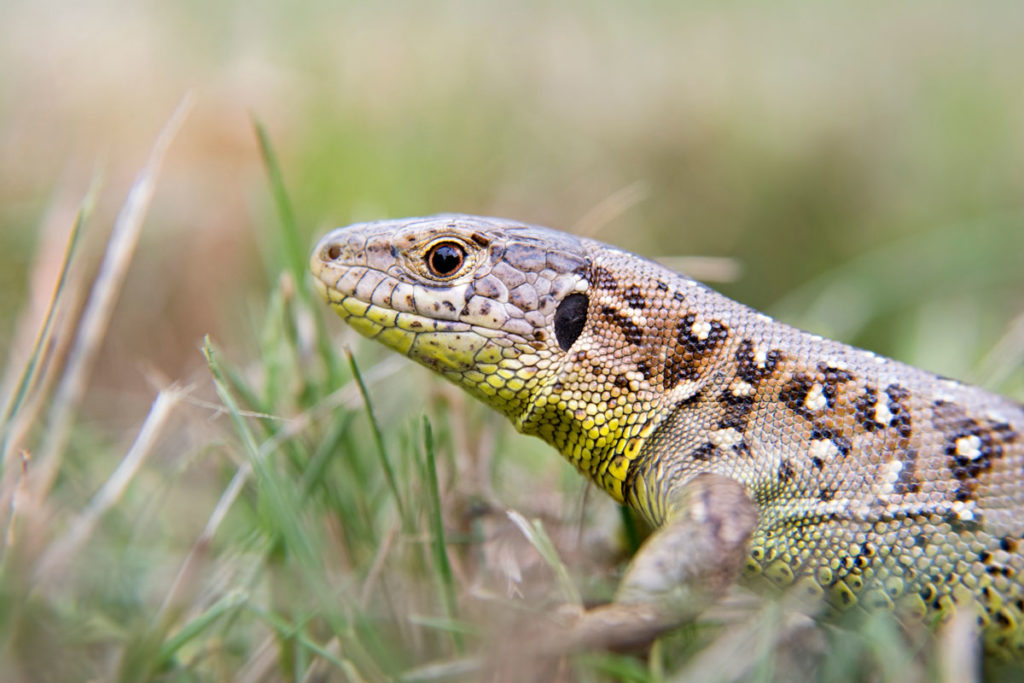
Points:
(445, 259)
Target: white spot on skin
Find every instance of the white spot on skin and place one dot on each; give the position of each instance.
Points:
(701, 329)
(965, 511)
(760, 356)
(684, 390)
(725, 438)
(823, 449)
(815, 398)
(890, 474)
(969, 447)
(883, 415)
(741, 388)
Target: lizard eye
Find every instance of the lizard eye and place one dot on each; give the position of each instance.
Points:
(444, 259)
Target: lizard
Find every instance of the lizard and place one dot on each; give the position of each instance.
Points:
(752, 447)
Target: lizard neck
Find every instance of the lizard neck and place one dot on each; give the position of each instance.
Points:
(601, 433)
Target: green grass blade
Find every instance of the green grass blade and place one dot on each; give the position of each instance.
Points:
(437, 535)
(295, 632)
(198, 625)
(294, 253)
(385, 462)
(294, 248)
(281, 501)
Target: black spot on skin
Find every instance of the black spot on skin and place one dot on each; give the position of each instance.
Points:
(833, 375)
(898, 407)
(841, 442)
(644, 369)
(602, 278)
(866, 406)
(965, 492)
(1008, 544)
(689, 401)
(818, 463)
(741, 448)
(540, 335)
(686, 354)
(661, 285)
(794, 393)
(991, 436)
(826, 494)
(621, 382)
(633, 334)
(570, 318)
(678, 296)
(703, 452)
(748, 370)
(906, 481)
(830, 379)
(735, 410)
(634, 296)
(785, 471)
(960, 526)
(677, 370)
(694, 344)
(481, 239)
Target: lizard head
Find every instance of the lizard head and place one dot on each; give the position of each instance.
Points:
(491, 305)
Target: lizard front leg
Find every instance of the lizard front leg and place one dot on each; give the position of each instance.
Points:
(683, 567)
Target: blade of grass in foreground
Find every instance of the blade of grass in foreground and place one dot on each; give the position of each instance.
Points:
(295, 253)
(385, 462)
(281, 501)
(100, 305)
(29, 373)
(444, 568)
(540, 540)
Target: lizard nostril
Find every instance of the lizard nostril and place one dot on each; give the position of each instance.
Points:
(333, 252)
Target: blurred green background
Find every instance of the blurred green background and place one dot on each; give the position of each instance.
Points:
(862, 163)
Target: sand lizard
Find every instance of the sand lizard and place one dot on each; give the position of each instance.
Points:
(752, 445)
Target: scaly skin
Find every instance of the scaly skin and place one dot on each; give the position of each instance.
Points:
(868, 482)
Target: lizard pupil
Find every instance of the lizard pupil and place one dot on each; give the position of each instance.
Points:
(570, 317)
(445, 259)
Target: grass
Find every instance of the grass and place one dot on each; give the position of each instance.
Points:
(300, 535)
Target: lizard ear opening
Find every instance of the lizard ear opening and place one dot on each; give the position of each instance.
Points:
(570, 317)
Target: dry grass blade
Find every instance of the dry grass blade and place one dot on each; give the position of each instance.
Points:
(58, 556)
(32, 367)
(611, 207)
(1005, 358)
(535, 534)
(100, 305)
